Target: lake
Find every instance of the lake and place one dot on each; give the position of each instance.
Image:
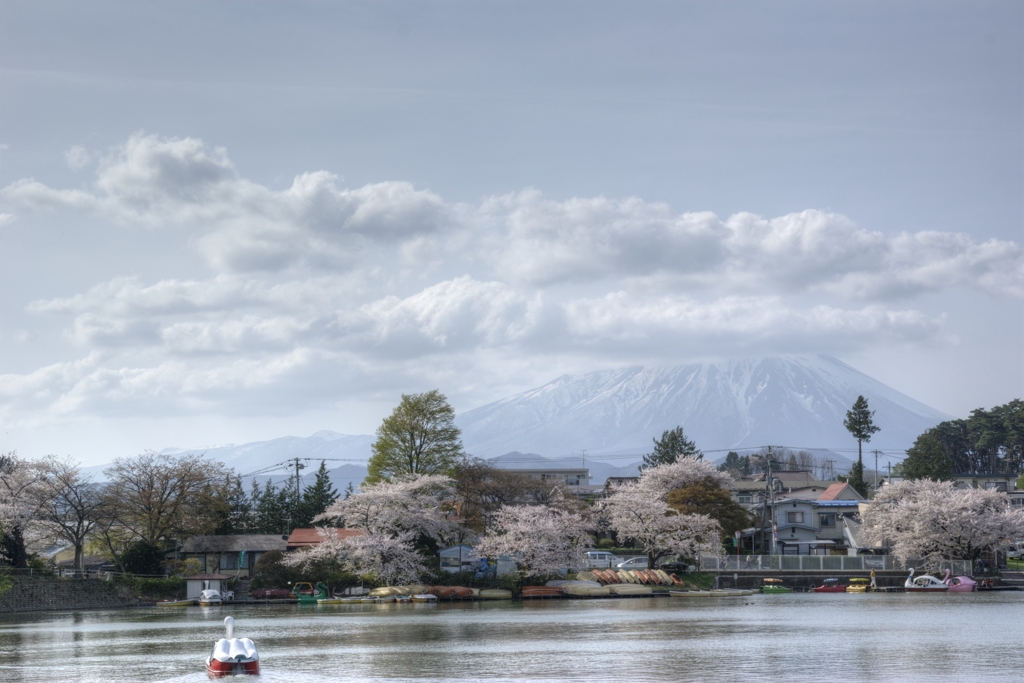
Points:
(797, 637)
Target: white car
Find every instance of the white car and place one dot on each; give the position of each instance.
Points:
(633, 563)
(601, 559)
(1015, 551)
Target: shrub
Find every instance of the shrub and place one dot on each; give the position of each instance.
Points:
(142, 558)
(160, 589)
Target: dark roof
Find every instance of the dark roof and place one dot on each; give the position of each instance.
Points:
(259, 543)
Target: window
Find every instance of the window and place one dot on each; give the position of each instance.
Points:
(229, 561)
(996, 485)
(794, 518)
(827, 519)
(745, 500)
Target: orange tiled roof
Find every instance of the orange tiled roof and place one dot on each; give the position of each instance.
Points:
(832, 491)
(300, 538)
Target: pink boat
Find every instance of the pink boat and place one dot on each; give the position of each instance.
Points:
(960, 584)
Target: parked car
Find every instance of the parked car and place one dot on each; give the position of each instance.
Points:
(633, 563)
(601, 559)
(1015, 551)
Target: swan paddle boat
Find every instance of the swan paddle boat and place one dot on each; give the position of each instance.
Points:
(233, 656)
(924, 584)
(830, 586)
(960, 584)
(210, 597)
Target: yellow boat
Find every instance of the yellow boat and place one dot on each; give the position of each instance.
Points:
(329, 601)
(858, 586)
(176, 603)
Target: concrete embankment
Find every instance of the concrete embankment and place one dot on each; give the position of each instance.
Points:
(40, 594)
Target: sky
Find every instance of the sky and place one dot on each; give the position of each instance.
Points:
(222, 222)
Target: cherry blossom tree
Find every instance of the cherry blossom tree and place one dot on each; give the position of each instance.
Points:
(926, 521)
(419, 504)
(543, 539)
(392, 515)
(388, 559)
(639, 511)
(19, 481)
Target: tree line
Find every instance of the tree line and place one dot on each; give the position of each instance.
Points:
(147, 505)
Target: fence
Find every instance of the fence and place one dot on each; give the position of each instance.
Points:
(820, 563)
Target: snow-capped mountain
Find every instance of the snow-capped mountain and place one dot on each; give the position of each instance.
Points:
(793, 401)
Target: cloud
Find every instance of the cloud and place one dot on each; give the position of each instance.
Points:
(316, 289)
(77, 158)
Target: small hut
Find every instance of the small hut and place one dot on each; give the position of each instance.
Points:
(201, 582)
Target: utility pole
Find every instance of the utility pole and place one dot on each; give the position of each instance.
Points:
(584, 451)
(298, 495)
(876, 471)
(771, 494)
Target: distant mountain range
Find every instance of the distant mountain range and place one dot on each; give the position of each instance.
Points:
(743, 404)
(794, 401)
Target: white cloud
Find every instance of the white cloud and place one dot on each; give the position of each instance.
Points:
(317, 287)
(77, 158)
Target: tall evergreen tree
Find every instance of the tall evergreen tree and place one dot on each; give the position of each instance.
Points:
(316, 498)
(672, 445)
(860, 425)
(237, 517)
(735, 465)
(272, 508)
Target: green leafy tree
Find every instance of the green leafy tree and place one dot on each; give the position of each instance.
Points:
(861, 426)
(672, 445)
(315, 498)
(144, 558)
(706, 497)
(419, 437)
(927, 459)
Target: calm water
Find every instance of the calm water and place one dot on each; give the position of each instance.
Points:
(799, 637)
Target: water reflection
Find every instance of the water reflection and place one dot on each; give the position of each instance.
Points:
(796, 637)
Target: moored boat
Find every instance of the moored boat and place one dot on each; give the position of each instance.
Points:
(924, 584)
(210, 597)
(690, 594)
(176, 603)
(729, 593)
(772, 585)
(858, 586)
(960, 584)
(830, 586)
(495, 594)
(424, 597)
(233, 656)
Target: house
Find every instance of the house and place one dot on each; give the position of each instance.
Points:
(457, 559)
(804, 526)
(194, 585)
(570, 476)
(236, 554)
(305, 538)
(841, 491)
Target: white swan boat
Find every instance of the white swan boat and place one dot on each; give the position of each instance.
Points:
(924, 584)
(210, 597)
(233, 655)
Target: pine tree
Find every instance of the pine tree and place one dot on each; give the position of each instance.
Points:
(858, 422)
(672, 445)
(272, 508)
(237, 518)
(316, 498)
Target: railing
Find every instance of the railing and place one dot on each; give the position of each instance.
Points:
(820, 563)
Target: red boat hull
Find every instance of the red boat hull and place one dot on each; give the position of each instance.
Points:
(218, 668)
